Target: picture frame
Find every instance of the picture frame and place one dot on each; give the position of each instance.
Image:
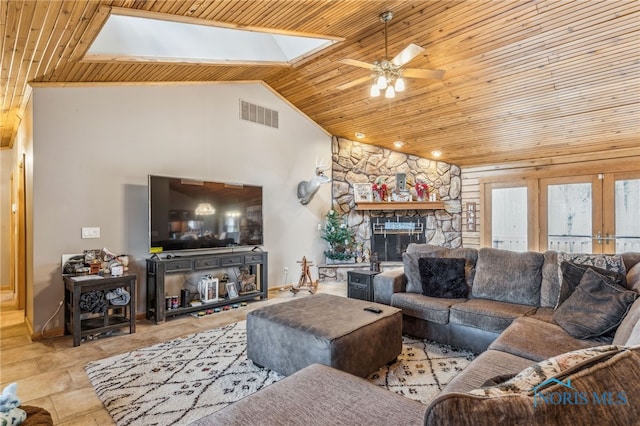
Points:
(232, 291)
(362, 192)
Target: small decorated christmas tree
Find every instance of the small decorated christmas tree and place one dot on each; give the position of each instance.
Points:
(340, 238)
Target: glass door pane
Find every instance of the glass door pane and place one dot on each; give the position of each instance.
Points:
(627, 209)
(509, 218)
(569, 217)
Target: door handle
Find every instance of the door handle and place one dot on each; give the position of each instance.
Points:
(598, 237)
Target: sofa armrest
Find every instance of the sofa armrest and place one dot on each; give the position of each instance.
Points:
(388, 282)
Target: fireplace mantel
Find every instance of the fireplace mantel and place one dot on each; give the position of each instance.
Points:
(400, 205)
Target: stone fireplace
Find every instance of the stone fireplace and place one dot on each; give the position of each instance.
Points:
(384, 231)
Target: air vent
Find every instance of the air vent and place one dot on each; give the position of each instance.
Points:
(258, 114)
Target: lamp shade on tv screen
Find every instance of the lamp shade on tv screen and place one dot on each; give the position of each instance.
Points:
(189, 214)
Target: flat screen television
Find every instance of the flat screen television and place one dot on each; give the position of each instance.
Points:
(190, 214)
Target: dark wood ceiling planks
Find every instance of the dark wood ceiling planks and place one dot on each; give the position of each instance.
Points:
(525, 80)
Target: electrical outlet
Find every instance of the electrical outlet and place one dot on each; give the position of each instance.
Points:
(91, 232)
(286, 269)
(319, 227)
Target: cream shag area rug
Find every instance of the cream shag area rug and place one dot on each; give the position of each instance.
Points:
(182, 380)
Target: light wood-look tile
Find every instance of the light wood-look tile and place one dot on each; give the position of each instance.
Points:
(50, 372)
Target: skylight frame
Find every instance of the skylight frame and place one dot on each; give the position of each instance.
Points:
(101, 19)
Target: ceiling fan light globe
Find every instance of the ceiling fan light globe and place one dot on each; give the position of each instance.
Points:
(390, 92)
(399, 86)
(381, 82)
(375, 92)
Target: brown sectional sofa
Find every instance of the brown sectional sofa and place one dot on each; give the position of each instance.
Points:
(509, 317)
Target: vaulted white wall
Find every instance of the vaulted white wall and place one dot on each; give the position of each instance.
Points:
(94, 147)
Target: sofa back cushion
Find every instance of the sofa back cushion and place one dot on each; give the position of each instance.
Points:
(633, 278)
(508, 276)
(412, 268)
(550, 287)
(470, 256)
(628, 332)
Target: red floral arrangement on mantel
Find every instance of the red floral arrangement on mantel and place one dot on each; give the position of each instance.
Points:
(422, 190)
(381, 189)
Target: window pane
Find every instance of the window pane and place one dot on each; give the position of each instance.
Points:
(569, 213)
(627, 196)
(509, 218)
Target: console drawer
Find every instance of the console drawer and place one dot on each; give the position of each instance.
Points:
(177, 265)
(231, 260)
(253, 258)
(207, 263)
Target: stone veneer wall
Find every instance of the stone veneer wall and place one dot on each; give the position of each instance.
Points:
(354, 162)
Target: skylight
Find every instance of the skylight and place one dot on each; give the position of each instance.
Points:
(136, 38)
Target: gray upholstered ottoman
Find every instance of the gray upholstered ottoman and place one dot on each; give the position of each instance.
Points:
(324, 329)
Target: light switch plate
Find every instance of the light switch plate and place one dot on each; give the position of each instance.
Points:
(91, 232)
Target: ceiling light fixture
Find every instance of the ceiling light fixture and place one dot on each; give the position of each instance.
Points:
(359, 135)
(436, 153)
(386, 73)
(205, 209)
(398, 144)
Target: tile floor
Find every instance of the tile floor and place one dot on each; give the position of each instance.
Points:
(50, 372)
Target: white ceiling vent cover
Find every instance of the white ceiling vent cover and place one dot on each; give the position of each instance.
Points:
(258, 114)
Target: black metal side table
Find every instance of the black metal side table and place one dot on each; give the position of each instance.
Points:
(360, 284)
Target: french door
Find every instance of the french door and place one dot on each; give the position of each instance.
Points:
(595, 213)
(591, 213)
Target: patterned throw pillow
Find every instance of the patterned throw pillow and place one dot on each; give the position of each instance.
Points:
(612, 263)
(530, 377)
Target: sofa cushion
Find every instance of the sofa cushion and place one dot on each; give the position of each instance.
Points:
(537, 374)
(488, 364)
(443, 277)
(628, 332)
(596, 307)
(470, 255)
(608, 388)
(432, 309)
(412, 268)
(488, 315)
(572, 274)
(633, 278)
(508, 276)
(318, 395)
(550, 286)
(530, 338)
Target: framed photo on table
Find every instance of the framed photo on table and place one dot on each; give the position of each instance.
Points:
(232, 291)
(362, 192)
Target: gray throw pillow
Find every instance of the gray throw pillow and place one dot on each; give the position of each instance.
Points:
(572, 274)
(443, 278)
(596, 307)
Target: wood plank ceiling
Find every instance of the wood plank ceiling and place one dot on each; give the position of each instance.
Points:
(525, 79)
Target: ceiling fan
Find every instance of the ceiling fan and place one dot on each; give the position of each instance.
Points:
(388, 74)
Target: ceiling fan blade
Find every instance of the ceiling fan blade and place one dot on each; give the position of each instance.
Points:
(407, 54)
(419, 73)
(356, 63)
(354, 83)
